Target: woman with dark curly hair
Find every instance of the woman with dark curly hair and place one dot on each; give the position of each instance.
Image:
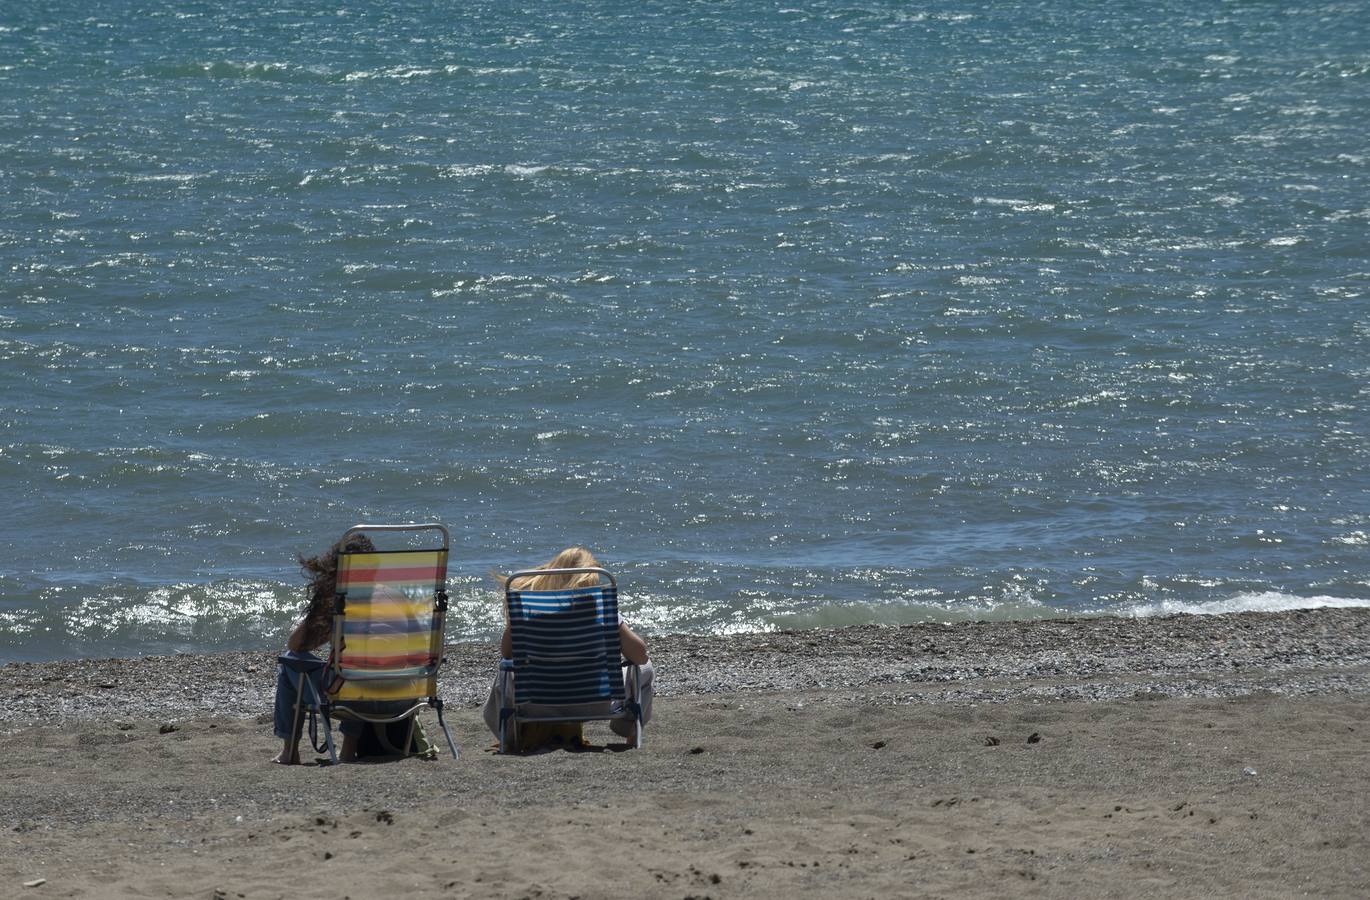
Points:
(311, 633)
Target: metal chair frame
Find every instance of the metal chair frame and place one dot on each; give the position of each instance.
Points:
(333, 669)
(509, 715)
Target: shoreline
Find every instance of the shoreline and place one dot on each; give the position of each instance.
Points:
(1188, 756)
(1096, 658)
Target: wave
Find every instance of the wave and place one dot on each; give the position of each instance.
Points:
(227, 69)
(128, 618)
(1253, 601)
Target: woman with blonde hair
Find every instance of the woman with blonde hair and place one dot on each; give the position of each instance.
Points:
(633, 647)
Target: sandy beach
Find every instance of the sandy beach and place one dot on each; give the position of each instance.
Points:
(1166, 757)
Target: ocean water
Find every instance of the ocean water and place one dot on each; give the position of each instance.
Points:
(798, 314)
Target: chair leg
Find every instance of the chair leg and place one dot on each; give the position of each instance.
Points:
(297, 724)
(637, 702)
(437, 704)
(506, 710)
(509, 733)
(327, 724)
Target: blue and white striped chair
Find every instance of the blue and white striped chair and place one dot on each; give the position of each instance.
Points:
(566, 657)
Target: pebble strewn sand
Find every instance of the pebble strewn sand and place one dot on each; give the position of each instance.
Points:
(1184, 756)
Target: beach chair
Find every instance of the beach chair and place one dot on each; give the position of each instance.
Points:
(566, 657)
(388, 619)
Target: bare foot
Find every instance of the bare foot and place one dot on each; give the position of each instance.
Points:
(290, 753)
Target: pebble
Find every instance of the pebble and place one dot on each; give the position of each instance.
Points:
(1080, 660)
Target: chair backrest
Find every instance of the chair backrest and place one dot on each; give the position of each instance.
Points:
(388, 623)
(565, 645)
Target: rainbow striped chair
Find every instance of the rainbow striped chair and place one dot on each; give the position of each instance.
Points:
(388, 620)
(566, 658)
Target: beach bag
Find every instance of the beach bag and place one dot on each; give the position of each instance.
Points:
(383, 739)
(536, 736)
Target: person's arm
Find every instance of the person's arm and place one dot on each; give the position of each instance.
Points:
(633, 647)
(298, 638)
(506, 641)
(301, 640)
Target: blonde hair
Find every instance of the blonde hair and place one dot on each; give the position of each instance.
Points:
(570, 558)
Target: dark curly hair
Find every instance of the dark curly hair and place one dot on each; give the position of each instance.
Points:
(322, 572)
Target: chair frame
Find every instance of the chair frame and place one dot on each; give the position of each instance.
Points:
(326, 707)
(508, 668)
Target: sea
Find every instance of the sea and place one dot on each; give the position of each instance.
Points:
(797, 315)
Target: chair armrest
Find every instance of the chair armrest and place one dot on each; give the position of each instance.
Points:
(300, 664)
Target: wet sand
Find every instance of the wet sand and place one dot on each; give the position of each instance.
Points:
(1174, 757)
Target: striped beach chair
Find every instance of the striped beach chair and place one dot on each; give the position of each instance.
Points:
(388, 620)
(566, 664)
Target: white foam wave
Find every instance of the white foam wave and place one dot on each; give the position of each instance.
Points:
(1015, 205)
(180, 177)
(402, 73)
(1253, 601)
(1354, 539)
